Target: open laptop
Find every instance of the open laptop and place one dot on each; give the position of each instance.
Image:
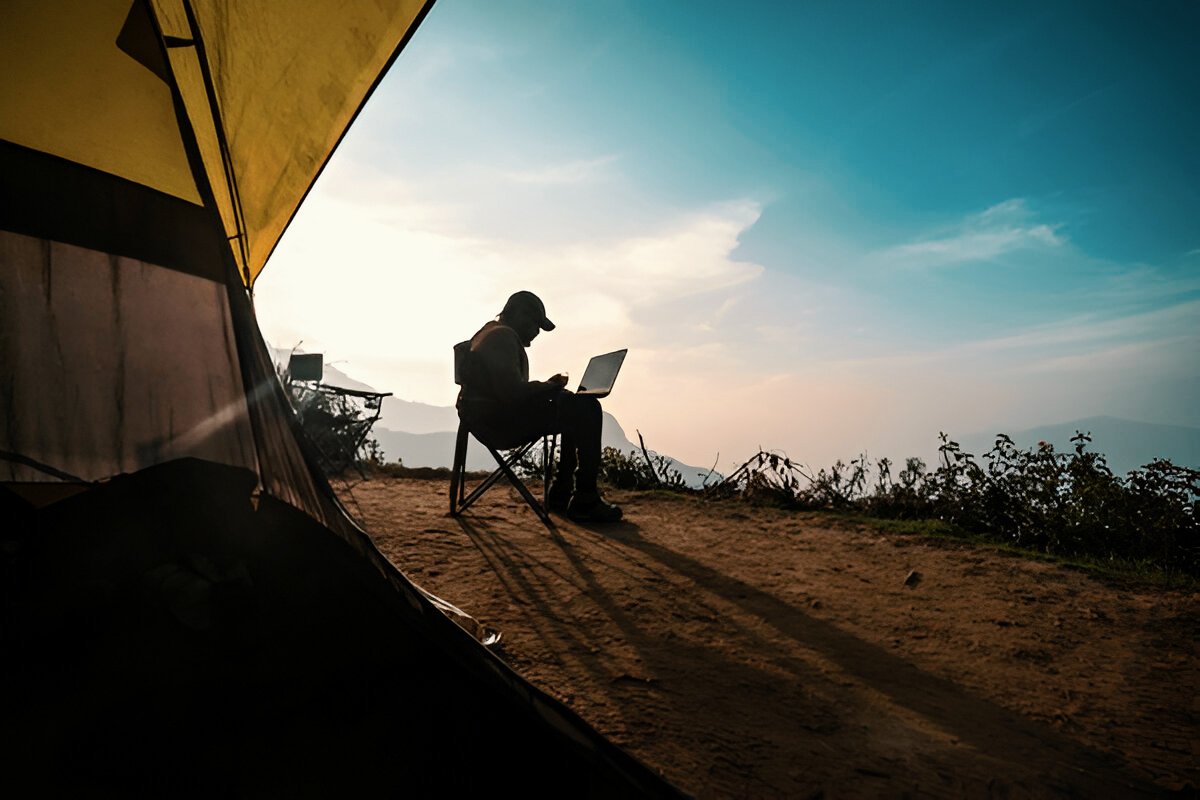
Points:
(601, 374)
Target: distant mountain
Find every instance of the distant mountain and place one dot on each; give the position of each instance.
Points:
(436, 448)
(422, 435)
(417, 418)
(331, 374)
(400, 415)
(1126, 444)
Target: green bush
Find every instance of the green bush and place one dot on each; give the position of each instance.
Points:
(627, 471)
(1068, 504)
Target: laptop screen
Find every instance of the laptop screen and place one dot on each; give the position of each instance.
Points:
(601, 372)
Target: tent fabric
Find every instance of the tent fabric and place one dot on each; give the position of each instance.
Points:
(320, 65)
(143, 372)
(152, 153)
(49, 197)
(268, 92)
(111, 364)
(69, 91)
(166, 131)
(290, 470)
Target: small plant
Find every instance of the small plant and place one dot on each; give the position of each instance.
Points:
(617, 469)
(336, 426)
(1068, 504)
(768, 477)
(623, 471)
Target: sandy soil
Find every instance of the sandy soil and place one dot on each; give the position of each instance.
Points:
(752, 652)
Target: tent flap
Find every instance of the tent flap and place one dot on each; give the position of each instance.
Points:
(319, 67)
(68, 89)
(268, 92)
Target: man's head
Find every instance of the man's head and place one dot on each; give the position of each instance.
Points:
(526, 314)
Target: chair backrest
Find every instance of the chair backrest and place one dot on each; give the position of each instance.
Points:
(462, 355)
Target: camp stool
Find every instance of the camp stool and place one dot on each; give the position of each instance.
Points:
(460, 503)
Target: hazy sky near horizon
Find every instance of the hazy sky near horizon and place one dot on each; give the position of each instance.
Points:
(836, 228)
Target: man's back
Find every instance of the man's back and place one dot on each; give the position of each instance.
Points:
(497, 364)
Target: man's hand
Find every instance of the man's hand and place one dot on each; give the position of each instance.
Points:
(559, 379)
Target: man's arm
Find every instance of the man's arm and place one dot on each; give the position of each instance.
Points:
(500, 355)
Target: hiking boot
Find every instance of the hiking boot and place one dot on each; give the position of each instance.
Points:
(590, 507)
(558, 499)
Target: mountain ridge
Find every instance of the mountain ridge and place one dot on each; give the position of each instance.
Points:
(422, 435)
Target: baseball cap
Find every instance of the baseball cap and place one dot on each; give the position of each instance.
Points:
(530, 302)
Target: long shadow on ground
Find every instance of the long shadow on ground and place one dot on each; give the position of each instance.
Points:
(988, 728)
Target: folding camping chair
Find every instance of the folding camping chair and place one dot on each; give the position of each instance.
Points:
(460, 503)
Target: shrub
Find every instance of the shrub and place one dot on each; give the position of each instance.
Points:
(334, 424)
(627, 471)
(1061, 503)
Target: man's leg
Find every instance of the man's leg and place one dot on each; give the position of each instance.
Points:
(568, 460)
(563, 486)
(580, 420)
(537, 416)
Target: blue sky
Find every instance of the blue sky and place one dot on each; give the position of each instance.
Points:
(861, 222)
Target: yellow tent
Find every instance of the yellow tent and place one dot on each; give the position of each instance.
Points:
(148, 150)
(267, 89)
(152, 153)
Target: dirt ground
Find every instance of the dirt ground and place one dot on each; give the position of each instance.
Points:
(753, 652)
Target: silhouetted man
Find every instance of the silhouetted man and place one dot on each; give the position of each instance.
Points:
(506, 409)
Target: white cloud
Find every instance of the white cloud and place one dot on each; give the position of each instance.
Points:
(1076, 342)
(391, 296)
(1002, 228)
(1140, 284)
(691, 255)
(1134, 356)
(1094, 329)
(568, 173)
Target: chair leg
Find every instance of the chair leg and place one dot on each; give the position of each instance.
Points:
(458, 471)
(496, 475)
(459, 504)
(537, 507)
(549, 445)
